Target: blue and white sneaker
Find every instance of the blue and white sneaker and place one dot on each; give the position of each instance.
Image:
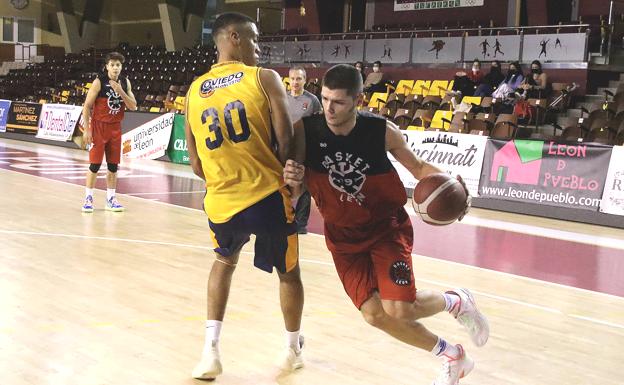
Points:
(113, 205)
(87, 207)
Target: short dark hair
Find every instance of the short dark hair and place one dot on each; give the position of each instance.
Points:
(343, 77)
(114, 56)
(377, 63)
(226, 19)
(298, 67)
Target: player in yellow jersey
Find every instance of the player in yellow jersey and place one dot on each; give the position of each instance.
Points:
(239, 136)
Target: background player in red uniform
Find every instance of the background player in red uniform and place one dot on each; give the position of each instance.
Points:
(108, 96)
(367, 229)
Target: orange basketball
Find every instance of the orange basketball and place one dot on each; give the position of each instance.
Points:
(439, 199)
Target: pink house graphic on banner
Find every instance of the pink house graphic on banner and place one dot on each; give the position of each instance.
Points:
(507, 166)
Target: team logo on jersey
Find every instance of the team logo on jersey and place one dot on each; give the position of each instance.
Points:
(400, 273)
(113, 101)
(209, 86)
(346, 174)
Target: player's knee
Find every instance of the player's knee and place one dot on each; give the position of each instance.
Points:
(376, 318)
(400, 310)
(112, 167)
(94, 167)
(291, 277)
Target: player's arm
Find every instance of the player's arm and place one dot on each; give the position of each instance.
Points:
(92, 94)
(398, 147)
(127, 97)
(294, 169)
(190, 143)
(272, 84)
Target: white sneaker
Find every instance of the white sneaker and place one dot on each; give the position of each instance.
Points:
(293, 360)
(209, 367)
(454, 369)
(471, 318)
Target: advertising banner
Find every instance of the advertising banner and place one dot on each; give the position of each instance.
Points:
(149, 140)
(23, 118)
(416, 5)
(456, 153)
(488, 48)
(271, 52)
(554, 47)
(545, 172)
(58, 121)
(303, 51)
(437, 50)
(178, 150)
(343, 51)
(388, 50)
(4, 113)
(613, 196)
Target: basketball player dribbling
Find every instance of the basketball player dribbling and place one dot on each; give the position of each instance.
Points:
(367, 230)
(234, 115)
(108, 96)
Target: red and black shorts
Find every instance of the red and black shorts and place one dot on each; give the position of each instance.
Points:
(106, 140)
(374, 258)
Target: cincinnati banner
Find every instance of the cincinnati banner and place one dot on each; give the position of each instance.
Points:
(545, 172)
(613, 196)
(455, 153)
(4, 113)
(149, 140)
(58, 121)
(23, 118)
(416, 5)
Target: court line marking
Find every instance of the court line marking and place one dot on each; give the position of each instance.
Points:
(313, 261)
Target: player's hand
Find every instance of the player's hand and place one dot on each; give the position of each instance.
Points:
(115, 86)
(293, 173)
(87, 138)
(468, 197)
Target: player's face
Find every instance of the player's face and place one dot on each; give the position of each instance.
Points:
(113, 67)
(297, 80)
(248, 44)
(338, 106)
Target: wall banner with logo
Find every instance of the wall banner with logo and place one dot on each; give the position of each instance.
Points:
(178, 150)
(456, 153)
(149, 140)
(417, 5)
(303, 51)
(4, 113)
(488, 48)
(613, 195)
(271, 52)
(437, 49)
(58, 121)
(343, 51)
(554, 47)
(23, 117)
(388, 50)
(545, 172)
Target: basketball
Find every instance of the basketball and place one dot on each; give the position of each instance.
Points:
(439, 199)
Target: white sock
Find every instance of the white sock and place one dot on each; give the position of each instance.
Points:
(292, 340)
(110, 192)
(452, 302)
(444, 349)
(213, 330)
(89, 191)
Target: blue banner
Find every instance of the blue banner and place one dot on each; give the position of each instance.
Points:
(4, 113)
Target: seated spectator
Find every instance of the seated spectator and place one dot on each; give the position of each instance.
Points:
(360, 67)
(475, 75)
(375, 80)
(464, 83)
(535, 85)
(511, 82)
(490, 81)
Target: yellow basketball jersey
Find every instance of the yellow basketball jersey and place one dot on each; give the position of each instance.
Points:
(229, 114)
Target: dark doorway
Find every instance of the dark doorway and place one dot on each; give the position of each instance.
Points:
(559, 11)
(524, 14)
(358, 15)
(330, 15)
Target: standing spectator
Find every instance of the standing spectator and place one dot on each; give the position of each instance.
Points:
(301, 103)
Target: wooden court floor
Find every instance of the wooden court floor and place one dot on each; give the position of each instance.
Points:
(119, 299)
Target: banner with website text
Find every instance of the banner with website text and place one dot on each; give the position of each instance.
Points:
(455, 153)
(4, 113)
(545, 172)
(58, 121)
(613, 196)
(417, 5)
(149, 140)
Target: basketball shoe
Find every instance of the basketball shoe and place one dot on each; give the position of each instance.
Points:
(87, 207)
(454, 368)
(293, 360)
(470, 317)
(113, 205)
(209, 367)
